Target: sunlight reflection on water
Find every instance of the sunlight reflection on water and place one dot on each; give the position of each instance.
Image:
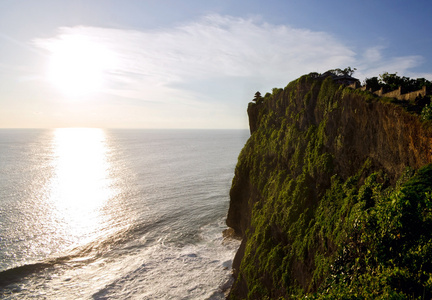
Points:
(116, 213)
(81, 184)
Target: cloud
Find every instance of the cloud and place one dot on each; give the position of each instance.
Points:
(374, 62)
(218, 61)
(213, 47)
(373, 54)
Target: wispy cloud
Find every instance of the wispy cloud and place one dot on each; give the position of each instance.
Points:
(218, 61)
(213, 47)
(374, 62)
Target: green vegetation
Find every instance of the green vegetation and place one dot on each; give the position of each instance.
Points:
(348, 71)
(426, 113)
(390, 82)
(258, 98)
(384, 238)
(316, 234)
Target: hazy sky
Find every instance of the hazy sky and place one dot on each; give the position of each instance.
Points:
(190, 64)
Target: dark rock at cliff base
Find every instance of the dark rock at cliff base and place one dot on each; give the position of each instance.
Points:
(332, 196)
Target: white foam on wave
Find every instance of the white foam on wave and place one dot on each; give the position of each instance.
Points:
(197, 271)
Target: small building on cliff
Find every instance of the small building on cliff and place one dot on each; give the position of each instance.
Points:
(342, 79)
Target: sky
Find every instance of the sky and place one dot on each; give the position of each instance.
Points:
(190, 64)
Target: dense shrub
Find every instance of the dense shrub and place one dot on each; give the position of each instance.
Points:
(426, 113)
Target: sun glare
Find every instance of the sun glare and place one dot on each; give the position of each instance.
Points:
(81, 184)
(77, 65)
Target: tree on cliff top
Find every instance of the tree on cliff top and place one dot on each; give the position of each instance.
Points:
(391, 81)
(348, 71)
(257, 98)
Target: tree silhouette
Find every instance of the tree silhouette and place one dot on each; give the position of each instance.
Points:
(257, 98)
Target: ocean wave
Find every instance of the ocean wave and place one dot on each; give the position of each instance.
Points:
(85, 253)
(18, 273)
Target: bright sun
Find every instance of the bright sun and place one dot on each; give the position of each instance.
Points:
(77, 66)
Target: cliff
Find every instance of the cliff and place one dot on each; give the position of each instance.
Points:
(332, 196)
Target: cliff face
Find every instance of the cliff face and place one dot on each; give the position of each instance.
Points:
(323, 198)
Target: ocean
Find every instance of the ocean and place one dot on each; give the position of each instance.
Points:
(116, 214)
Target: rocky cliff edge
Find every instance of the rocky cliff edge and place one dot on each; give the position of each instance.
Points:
(332, 196)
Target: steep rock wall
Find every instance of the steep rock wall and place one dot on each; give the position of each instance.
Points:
(306, 141)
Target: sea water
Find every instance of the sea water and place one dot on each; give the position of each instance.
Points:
(116, 214)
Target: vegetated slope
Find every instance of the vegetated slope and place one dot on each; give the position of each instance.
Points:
(332, 196)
